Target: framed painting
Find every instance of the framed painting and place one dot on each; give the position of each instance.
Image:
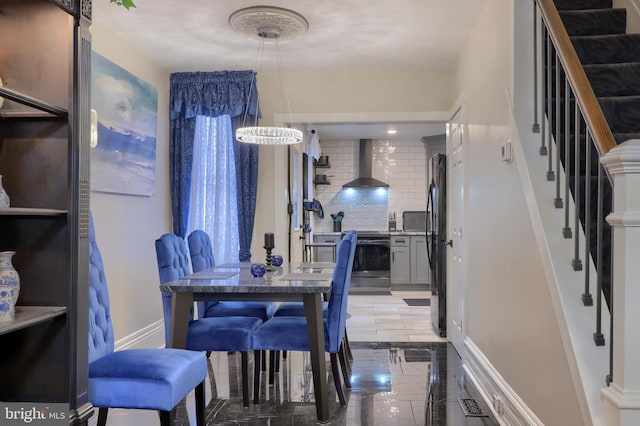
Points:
(123, 160)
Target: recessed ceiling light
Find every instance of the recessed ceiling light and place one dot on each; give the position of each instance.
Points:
(392, 131)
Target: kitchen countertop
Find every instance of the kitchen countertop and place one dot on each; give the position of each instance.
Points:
(407, 233)
(391, 233)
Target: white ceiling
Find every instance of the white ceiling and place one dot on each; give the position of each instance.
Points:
(194, 35)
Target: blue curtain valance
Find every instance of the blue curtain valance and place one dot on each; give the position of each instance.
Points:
(213, 94)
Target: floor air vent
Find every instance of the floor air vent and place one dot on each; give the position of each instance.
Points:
(471, 408)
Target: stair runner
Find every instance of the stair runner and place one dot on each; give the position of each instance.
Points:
(611, 60)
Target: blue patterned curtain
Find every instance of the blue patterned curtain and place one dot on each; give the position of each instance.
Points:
(212, 94)
(247, 181)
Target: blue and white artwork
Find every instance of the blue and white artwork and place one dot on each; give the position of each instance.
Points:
(124, 159)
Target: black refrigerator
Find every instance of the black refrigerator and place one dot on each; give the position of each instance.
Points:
(436, 241)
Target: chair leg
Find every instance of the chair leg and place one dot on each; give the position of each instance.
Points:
(257, 372)
(208, 354)
(344, 365)
(336, 379)
(200, 404)
(245, 379)
(102, 416)
(347, 345)
(343, 350)
(166, 418)
(272, 366)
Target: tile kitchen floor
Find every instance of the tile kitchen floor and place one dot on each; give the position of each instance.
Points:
(402, 374)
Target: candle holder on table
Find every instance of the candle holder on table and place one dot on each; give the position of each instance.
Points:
(268, 246)
(269, 259)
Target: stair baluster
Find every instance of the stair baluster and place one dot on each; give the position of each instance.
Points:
(576, 262)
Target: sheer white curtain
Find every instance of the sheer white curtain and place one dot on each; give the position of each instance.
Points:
(214, 206)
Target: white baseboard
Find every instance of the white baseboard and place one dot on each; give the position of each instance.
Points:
(151, 336)
(506, 405)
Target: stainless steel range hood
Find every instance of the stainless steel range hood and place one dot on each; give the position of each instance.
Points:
(365, 160)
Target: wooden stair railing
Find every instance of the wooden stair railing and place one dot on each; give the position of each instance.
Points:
(572, 119)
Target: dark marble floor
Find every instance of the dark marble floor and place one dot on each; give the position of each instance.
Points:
(393, 384)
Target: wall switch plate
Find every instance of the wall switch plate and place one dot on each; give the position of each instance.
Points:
(507, 155)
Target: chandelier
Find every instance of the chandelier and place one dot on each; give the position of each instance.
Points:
(273, 24)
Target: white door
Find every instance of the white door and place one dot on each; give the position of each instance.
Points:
(455, 219)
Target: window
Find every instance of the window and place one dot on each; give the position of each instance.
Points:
(213, 186)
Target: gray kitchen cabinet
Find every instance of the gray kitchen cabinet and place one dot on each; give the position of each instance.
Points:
(419, 260)
(324, 247)
(400, 260)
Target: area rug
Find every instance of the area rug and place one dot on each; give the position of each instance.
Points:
(417, 302)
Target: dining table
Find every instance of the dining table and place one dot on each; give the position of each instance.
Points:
(292, 281)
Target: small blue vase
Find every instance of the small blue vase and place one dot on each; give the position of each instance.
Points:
(9, 287)
(276, 260)
(258, 269)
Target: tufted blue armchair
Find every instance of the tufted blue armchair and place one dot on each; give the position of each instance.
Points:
(154, 379)
(201, 252)
(219, 334)
(290, 333)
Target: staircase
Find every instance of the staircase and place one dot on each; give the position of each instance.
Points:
(611, 61)
(587, 83)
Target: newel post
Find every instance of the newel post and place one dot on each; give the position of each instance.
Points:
(622, 398)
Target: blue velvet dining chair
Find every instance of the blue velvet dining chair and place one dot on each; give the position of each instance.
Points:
(296, 309)
(153, 379)
(213, 334)
(201, 252)
(290, 333)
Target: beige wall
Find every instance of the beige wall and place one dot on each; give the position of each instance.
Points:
(509, 314)
(127, 226)
(347, 91)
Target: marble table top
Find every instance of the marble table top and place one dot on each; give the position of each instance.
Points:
(288, 278)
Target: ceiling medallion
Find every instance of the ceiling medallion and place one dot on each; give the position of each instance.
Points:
(267, 22)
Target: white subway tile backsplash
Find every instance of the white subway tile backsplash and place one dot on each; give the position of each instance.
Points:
(401, 164)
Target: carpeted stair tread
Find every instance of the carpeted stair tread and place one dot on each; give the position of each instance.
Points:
(614, 79)
(583, 4)
(622, 113)
(607, 49)
(594, 21)
(623, 137)
(606, 79)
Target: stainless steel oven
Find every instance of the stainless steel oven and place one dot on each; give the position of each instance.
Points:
(372, 263)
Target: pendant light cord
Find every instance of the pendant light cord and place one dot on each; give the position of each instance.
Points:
(283, 90)
(254, 81)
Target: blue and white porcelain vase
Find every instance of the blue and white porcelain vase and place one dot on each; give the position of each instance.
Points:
(9, 287)
(4, 197)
